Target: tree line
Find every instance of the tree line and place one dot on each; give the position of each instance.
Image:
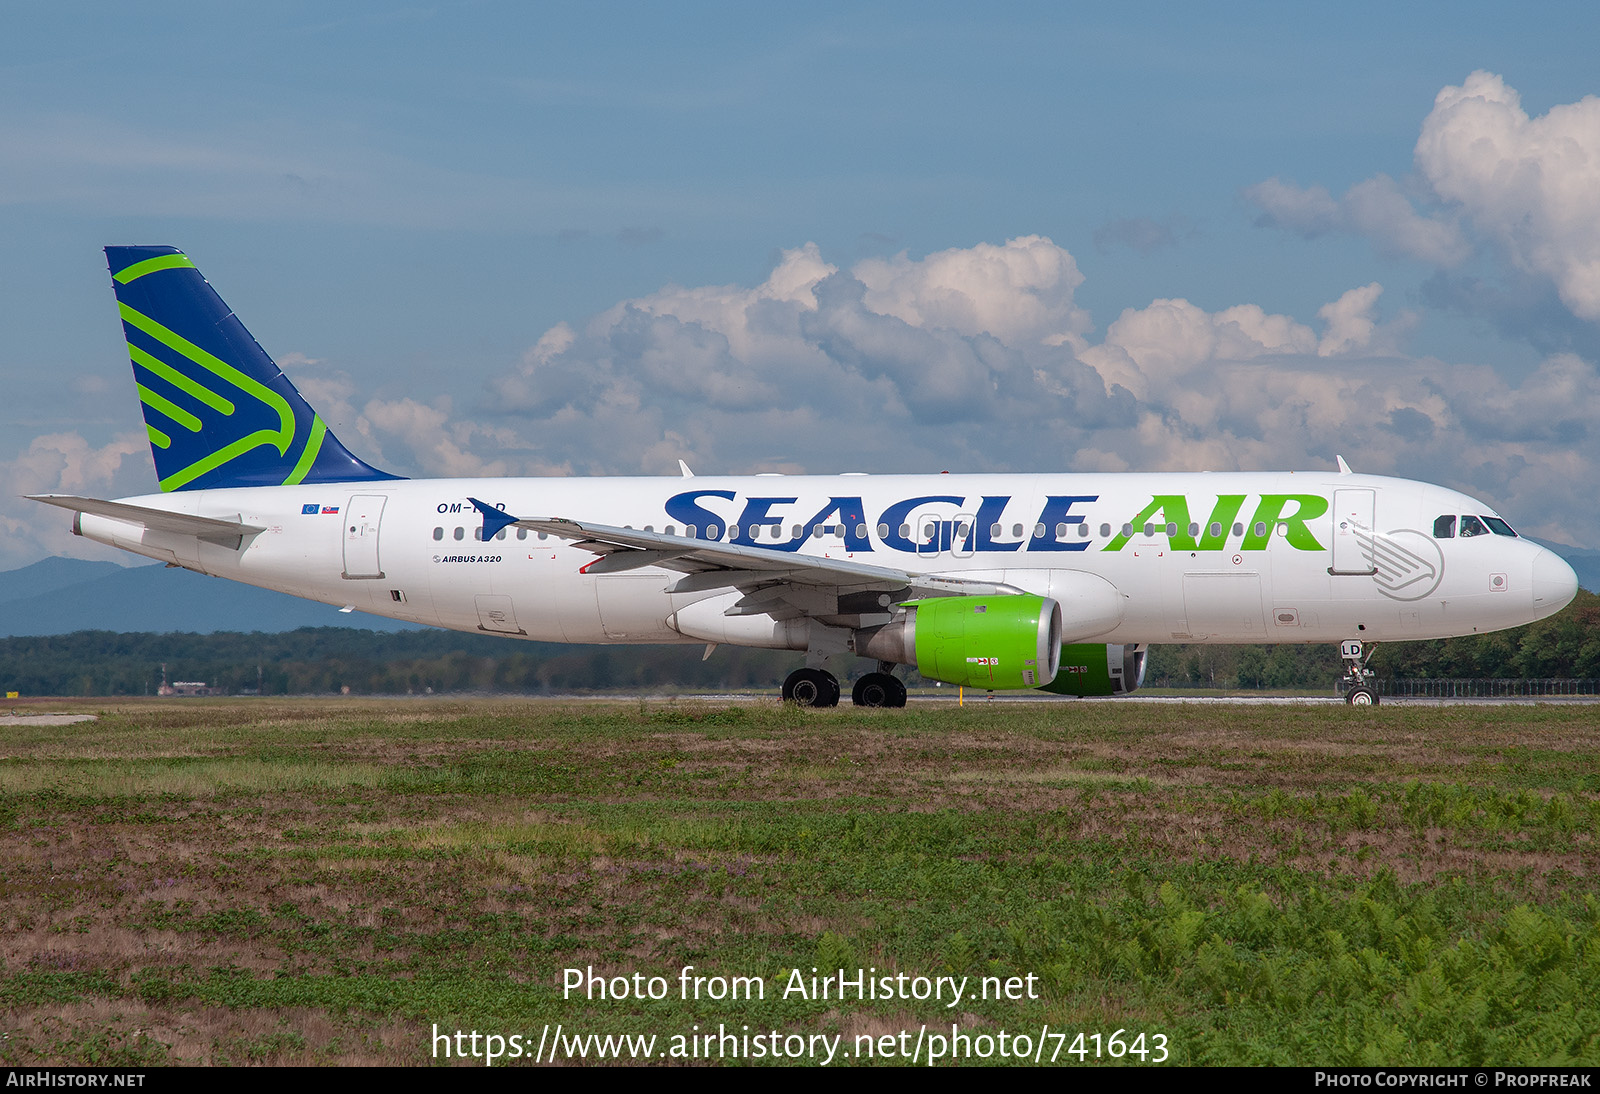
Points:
(328, 660)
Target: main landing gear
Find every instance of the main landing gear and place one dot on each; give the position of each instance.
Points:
(1358, 679)
(811, 688)
(820, 688)
(878, 689)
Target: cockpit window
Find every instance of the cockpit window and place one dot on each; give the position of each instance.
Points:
(1498, 526)
(1472, 526)
(1444, 527)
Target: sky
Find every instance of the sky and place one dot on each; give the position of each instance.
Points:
(493, 238)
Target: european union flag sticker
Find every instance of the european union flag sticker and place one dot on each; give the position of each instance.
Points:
(309, 510)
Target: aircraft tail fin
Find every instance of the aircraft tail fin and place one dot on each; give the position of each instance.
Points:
(218, 410)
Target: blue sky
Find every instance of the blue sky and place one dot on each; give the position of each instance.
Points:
(404, 201)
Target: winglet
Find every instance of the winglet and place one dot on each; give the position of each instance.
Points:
(493, 519)
(685, 469)
(1344, 468)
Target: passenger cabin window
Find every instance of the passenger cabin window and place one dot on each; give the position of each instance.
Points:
(1472, 526)
(1444, 527)
(1498, 526)
(460, 533)
(438, 533)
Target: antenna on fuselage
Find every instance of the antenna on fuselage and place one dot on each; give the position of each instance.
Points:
(685, 469)
(1344, 468)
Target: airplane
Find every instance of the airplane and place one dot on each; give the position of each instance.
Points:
(1056, 582)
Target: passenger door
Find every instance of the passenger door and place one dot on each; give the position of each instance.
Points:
(1352, 523)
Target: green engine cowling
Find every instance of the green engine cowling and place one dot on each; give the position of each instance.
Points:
(991, 642)
(1098, 670)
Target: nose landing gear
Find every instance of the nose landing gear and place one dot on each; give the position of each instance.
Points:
(1358, 679)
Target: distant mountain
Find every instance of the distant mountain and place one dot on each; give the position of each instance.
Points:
(50, 574)
(62, 595)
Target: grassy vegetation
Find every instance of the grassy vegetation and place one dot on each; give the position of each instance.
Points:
(305, 882)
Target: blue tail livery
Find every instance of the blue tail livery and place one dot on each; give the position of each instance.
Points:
(218, 410)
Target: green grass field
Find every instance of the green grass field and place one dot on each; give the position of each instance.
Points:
(325, 881)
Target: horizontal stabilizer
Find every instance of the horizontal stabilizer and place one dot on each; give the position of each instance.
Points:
(225, 532)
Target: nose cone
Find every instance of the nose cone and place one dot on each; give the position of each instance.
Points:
(1554, 583)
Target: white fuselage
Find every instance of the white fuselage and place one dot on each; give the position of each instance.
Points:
(1214, 557)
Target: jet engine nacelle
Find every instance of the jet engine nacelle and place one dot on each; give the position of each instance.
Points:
(992, 642)
(1098, 670)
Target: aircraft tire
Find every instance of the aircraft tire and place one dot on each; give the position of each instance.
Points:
(878, 689)
(811, 688)
(1361, 697)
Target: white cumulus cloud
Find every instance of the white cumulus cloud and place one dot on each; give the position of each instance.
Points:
(65, 463)
(1489, 179)
(1532, 184)
(1376, 208)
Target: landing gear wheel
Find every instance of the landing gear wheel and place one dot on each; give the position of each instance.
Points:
(878, 689)
(811, 688)
(1358, 679)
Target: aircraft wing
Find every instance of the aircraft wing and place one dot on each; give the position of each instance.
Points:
(783, 584)
(211, 529)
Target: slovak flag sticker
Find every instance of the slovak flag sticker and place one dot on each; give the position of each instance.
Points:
(326, 509)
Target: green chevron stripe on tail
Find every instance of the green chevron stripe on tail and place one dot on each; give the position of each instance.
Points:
(218, 410)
